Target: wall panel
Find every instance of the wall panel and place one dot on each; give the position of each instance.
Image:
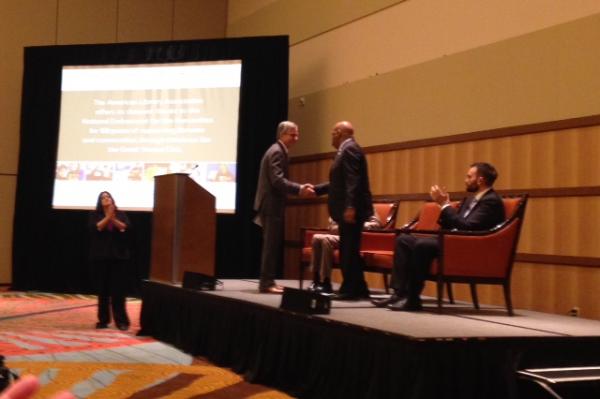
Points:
(145, 20)
(199, 19)
(415, 32)
(22, 23)
(510, 83)
(87, 21)
(300, 19)
(7, 204)
(556, 225)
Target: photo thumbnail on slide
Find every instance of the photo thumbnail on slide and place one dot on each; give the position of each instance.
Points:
(121, 125)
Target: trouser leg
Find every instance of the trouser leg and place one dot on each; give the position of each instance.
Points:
(101, 277)
(317, 255)
(426, 249)
(403, 250)
(271, 249)
(329, 243)
(119, 292)
(351, 262)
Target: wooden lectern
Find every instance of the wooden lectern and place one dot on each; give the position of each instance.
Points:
(183, 229)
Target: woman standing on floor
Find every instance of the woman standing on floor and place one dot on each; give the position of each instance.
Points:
(109, 254)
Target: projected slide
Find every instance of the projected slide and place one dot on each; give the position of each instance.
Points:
(121, 125)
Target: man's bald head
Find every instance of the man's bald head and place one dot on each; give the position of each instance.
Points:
(341, 131)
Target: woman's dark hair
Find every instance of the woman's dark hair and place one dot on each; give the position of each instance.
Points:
(99, 208)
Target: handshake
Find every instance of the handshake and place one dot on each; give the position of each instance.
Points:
(307, 190)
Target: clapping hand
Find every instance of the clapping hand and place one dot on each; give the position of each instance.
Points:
(439, 194)
(25, 387)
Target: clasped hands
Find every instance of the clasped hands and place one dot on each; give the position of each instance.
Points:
(110, 212)
(307, 190)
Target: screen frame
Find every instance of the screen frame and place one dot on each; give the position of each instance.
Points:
(50, 247)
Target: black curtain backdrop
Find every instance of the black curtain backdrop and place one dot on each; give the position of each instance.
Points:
(50, 247)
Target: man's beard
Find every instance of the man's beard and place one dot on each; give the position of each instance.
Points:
(472, 188)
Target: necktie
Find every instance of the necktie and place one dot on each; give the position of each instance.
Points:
(470, 207)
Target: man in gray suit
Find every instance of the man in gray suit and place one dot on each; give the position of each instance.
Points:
(349, 205)
(273, 186)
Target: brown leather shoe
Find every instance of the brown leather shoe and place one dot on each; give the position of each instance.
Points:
(274, 289)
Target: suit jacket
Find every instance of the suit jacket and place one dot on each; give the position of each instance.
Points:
(348, 183)
(273, 183)
(486, 213)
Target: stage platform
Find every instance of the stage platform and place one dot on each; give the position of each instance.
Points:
(359, 351)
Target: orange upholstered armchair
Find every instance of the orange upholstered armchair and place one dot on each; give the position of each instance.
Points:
(377, 247)
(481, 257)
(386, 211)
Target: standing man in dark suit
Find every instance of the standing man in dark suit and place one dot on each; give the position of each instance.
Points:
(413, 255)
(273, 186)
(350, 206)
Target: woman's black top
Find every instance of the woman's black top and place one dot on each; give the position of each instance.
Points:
(109, 243)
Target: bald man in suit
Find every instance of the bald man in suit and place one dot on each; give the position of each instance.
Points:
(269, 202)
(350, 205)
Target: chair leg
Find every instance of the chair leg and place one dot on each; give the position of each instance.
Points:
(474, 295)
(450, 293)
(440, 294)
(508, 299)
(386, 283)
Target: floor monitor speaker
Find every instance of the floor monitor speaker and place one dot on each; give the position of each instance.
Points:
(198, 281)
(305, 301)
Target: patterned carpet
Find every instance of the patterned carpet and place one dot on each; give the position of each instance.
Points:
(53, 336)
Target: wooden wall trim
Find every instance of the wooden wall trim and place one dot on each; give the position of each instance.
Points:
(571, 123)
(587, 191)
(584, 191)
(581, 261)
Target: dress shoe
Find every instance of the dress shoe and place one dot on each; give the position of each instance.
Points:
(406, 305)
(326, 288)
(350, 296)
(100, 326)
(382, 303)
(315, 287)
(274, 289)
(123, 327)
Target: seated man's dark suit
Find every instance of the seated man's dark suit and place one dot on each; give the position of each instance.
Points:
(413, 255)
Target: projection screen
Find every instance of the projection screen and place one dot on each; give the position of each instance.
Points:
(121, 125)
